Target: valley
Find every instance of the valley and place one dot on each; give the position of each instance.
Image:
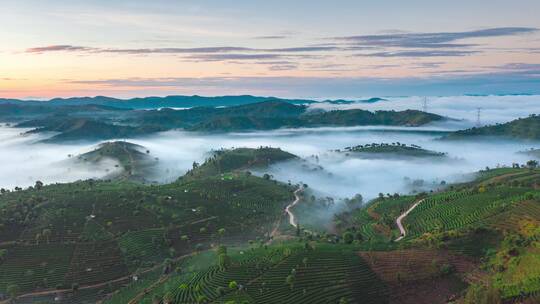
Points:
(323, 212)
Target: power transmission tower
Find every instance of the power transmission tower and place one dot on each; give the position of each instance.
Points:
(478, 121)
(424, 104)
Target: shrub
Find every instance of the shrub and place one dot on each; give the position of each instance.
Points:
(348, 237)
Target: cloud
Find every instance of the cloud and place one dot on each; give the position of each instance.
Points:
(204, 50)
(456, 83)
(57, 48)
(283, 67)
(523, 69)
(419, 54)
(275, 62)
(427, 65)
(154, 82)
(304, 49)
(200, 50)
(271, 37)
(433, 40)
(225, 57)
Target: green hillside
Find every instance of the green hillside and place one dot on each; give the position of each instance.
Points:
(101, 122)
(395, 149)
(224, 161)
(523, 128)
(135, 161)
(86, 129)
(493, 221)
(220, 235)
(89, 232)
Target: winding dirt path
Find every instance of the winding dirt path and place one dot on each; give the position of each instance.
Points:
(292, 220)
(401, 217)
(275, 232)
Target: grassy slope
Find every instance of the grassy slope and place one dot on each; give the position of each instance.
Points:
(395, 149)
(116, 221)
(223, 161)
(73, 129)
(134, 159)
(325, 274)
(92, 122)
(429, 265)
(523, 128)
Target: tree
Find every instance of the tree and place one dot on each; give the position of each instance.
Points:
(38, 185)
(348, 237)
(221, 249)
(233, 285)
(355, 202)
(359, 236)
(220, 291)
(477, 294)
(290, 281)
(167, 266)
(47, 234)
(3, 254)
(224, 261)
(532, 164)
(202, 299)
(221, 232)
(13, 290)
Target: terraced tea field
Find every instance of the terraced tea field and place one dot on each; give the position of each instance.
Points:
(458, 210)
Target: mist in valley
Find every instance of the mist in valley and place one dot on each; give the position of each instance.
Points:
(493, 108)
(26, 160)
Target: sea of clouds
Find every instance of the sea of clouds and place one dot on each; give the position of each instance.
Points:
(25, 160)
(493, 108)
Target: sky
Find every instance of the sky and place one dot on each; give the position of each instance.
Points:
(307, 49)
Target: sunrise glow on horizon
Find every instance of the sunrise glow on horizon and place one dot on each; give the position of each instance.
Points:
(137, 48)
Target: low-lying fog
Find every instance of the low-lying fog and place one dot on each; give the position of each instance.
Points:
(493, 109)
(24, 161)
(343, 176)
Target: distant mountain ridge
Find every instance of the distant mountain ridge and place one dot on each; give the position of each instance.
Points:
(100, 122)
(176, 101)
(173, 101)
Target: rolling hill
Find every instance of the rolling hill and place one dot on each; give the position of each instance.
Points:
(224, 161)
(102, 122)
(135, 161)
(523, 128)
(208, 238)
(76, 129)
(393, 149)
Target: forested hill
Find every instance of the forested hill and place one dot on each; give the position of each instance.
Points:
(97, 122)
(224, 161)
(175, 101)
(135, 161)
(522, 128)
(396, 149)
(156, 102)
